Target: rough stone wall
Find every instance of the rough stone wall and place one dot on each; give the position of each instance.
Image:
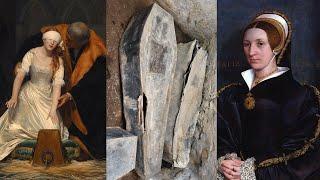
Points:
(194, 17)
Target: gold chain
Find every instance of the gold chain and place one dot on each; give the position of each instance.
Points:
(258, 80)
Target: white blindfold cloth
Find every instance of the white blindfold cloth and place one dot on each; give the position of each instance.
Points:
(53, 35)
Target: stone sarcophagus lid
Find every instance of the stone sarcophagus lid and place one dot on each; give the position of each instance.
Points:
(184, 57)
(187, 117)
(148, 54)
(121, 152)
(185, 101)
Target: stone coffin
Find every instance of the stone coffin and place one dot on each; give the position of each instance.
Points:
(148, 51)
(185, 55)
(189, 110)
(121, 152)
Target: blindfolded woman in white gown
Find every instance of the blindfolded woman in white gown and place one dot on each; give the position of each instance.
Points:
(33, 106)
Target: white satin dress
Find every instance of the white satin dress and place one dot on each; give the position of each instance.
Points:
(34, 102)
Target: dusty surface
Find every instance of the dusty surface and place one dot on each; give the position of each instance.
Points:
(119, 13)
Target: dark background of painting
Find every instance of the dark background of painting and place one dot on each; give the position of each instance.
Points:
(22, 19)
(235, 15)
(7, 48)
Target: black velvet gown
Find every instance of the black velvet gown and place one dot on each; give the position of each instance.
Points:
(283, 120)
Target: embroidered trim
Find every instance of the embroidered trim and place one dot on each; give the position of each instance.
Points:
(247, 169)
(226, 87)
(220, 176)
(304, 149)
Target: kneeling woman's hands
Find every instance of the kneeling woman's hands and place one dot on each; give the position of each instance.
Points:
(12, 103)
(231, 169)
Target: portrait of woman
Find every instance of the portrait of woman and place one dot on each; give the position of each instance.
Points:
(33, 105)
(268, 124)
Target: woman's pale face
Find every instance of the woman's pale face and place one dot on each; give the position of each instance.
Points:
(50, 44)
(257, 49)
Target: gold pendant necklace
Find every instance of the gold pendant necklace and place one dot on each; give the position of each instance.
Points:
(249, 103)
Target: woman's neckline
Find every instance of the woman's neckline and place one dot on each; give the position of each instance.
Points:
(248, 75)
(40, 64)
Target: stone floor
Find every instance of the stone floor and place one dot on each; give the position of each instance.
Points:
(17, 169)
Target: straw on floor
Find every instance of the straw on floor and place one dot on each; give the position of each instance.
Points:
(18, 169)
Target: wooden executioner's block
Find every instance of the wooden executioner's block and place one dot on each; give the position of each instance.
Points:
(48, 150)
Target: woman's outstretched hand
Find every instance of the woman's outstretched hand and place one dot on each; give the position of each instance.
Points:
(64, 98)
(231, 169)
(11, 103)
